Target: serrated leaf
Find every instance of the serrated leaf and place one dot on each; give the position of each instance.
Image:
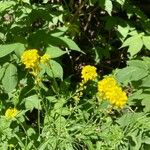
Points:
(54, 70)
(32, 102)
(54, 51)
(7, 49)
(146, 41)
(10, 79)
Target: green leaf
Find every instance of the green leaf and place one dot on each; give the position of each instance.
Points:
(106, 5)
(7, 49)
(30, 132)
(130, 40)
(19, 49)
(135, 44)
(26, 1)
(121, 2)
(131, 74)
(54, 70)
(138, 63)
(146, 82)
(43, 145)
(146, 41)
(135, 47)
(32, 102)
(54, 51)
(123, 31)
(5, 5)
(2, 71)
(71, 44)
(146, 103)
(10, 78)
(147, 61)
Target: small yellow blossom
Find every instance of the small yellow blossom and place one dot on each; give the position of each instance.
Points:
(110, 90)
(11, 113)
(30, 58)
(88, 73)
(106, 84)
(45, 58)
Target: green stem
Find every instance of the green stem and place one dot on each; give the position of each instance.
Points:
(25, 132)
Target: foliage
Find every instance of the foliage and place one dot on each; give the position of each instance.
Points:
(54, 58)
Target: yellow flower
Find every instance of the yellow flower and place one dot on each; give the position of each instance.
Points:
(30, 58)
(88, 73)
(110, 90)
(11, 113)
(45, 58)
(109, 81)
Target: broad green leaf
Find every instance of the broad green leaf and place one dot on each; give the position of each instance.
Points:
(138, 63)
(70, 43)
(106, 5)
(135, 44)
(121, 2)
(54, 51)
(147, 61)
(146, 103)
(146, 82)
(54, 70)
(32, 102)
(129, 41)
(10, 78)
(7, 49)
(132, 99)
(59, 103)
(131, 74)
(5, 5)
(19, 49)
(123, 31)
(146, 41)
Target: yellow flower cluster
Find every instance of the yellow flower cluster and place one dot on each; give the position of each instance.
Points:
(31, 59)
(11, 113)
(88, 73)
(110, 90)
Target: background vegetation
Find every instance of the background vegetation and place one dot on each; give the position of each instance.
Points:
(51, 110)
